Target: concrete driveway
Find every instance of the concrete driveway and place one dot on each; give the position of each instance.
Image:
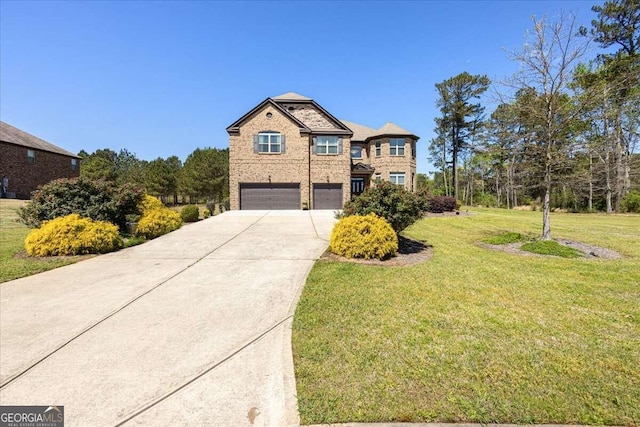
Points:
(192, 328)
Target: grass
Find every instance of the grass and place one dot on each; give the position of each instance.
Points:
(550, 247)
(12, 235)
(476, 335)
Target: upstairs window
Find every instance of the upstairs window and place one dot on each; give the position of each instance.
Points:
(397, 178)
(356, 152)
(396, 146)
(74, 164)
(378, 148)
(268, 143)
(31, 156)
(328, 145)
(413, 149)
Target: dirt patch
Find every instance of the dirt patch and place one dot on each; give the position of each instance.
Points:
(410, 252)
(24, 255)
(588, 251)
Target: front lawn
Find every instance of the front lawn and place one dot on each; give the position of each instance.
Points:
(12, 235)
(476, 335)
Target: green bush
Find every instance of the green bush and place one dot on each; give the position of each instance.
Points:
(550, 247)
(399, 207)
(506, 238)
(72, 235)
(190, 213)
(99, 201)
(363, 237)
(157, 222)
(631, 202)
(206, 213)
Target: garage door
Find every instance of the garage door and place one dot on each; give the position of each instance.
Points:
(269, 196)
(327, 196)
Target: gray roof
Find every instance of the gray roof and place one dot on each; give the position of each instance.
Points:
(16, 136)
(291, 96)
(362, 133)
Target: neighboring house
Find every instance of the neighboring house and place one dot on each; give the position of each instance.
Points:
(27, 162)
(290, 153)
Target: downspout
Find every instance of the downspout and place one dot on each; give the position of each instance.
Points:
(309, 172)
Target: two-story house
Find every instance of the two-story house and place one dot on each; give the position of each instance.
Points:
(290, 153)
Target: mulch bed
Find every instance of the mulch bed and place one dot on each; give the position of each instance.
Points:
(588, 251)
(410, 252)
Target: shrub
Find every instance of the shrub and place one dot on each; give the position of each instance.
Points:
(365, 237)
(190, 213)
(399, 207)
(506, 238)
(550, 247)
(157, 222)
(149, 203)
(72, 235)
(99, 201)
(631, 202)
(206, 213)
(439, 204)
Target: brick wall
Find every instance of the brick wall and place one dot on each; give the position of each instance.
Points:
(386, 164)
(25, 177)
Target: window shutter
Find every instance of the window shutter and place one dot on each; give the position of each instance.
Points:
(283, 147)
(315, 145)
(339, 145)
(255, 143)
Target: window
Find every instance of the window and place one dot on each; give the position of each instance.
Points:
(269, 142)
(327, 145)
(413, 149)
(396, 146)
(377, 176)
(31, 156)
(356, 152)
(378, 148)
(397, 178)
(74, 164)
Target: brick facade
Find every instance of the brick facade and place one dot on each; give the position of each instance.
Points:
(300, 120)
(25, 177)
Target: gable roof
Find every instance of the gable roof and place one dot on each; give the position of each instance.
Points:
(360, 132)
(393, 129)
(16, 136)
(279, 103)
(235, 126)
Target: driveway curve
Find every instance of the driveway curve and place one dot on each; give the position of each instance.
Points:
(192, 328)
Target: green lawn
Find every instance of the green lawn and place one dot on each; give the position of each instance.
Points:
(475, 335)
(12, 235)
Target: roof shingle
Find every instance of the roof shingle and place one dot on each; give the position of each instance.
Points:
(16, 136)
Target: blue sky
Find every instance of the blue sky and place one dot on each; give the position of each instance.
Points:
(163, 78)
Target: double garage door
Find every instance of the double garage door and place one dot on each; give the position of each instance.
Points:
(287, 196)
(269, 196)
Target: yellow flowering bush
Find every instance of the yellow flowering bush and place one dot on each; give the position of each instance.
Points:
(72, 235)
(365, 237)
(149, 203)
(157, 222)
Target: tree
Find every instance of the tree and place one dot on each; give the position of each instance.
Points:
(546, 66)
(161, 177)
(618, 24)
(206, 174)
(460, 119)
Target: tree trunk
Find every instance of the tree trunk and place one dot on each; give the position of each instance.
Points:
(546, 208)
(590, 182)
(455, 167)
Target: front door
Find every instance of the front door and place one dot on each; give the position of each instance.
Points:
(357, 186)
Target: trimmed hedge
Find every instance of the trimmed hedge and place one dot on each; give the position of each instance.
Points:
(365, 237)
(156, 222)
(72, 235)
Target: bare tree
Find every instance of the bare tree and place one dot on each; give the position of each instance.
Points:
(547, 60)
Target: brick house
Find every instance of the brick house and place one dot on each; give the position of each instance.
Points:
(27, 162)
(288, 152)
